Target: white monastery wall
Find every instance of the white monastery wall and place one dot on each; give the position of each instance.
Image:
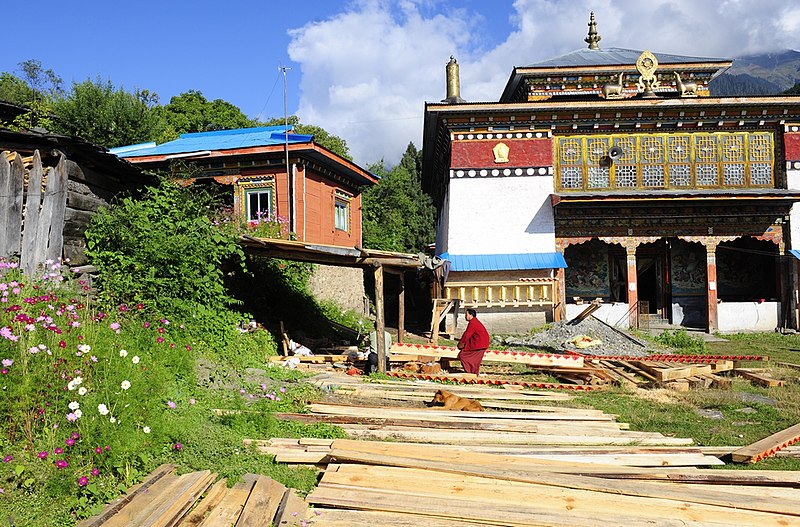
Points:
(736, 317)
(793, 182)
(501, 215)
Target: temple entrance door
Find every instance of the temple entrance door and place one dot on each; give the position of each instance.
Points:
(651, 277)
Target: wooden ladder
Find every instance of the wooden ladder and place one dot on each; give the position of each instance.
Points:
(441, 308)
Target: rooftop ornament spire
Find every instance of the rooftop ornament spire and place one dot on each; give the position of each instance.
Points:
(453, 83)
(593, 37)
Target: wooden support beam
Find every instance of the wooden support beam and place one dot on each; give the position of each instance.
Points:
(758, 378)
(380, 326)
(401, 314)
(767, 446)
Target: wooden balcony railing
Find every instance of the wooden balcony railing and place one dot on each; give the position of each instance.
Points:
(522, 293)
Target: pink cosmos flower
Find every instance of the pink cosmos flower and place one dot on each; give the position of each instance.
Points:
(61, 464)
(83, 481)
(71, 417)
(171, 404)
(75, 435)
(8, 459)
(160, 340)
(69, 442)
(192, 401)
(58, 450)
(95, 472)
(178, 446)
(98, 450)
(43, 454)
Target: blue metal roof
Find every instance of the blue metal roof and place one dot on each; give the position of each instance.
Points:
(614, 57)
(217, 140)
(504, 262)
(795, 253)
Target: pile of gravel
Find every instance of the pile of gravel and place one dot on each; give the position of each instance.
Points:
(555, 340)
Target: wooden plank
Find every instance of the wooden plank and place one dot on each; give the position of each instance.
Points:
(179, 500)
(54, 204)
(672, 372)
(358, 518)
(788, 365)
(211, 499)
(758, 378)
(262, 504)
(767, 446)
(519, 357)
(293, 510)
(28, 259)
(112, 508)
(11, 191)
(227, 512)
(572, 497)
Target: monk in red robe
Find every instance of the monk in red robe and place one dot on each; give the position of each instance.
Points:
(473, 343)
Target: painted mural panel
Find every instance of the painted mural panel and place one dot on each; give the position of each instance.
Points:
(688, 269)
(587, 270)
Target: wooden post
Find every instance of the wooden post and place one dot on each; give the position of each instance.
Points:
(560, 296)
(633, 293)
(401, 313)
(380, 327)
(711, 285)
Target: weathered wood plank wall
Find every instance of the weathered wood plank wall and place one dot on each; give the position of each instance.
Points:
(37, 235)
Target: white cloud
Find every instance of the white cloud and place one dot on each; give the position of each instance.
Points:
(367, 72)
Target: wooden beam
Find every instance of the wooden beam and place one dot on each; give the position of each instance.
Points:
(380, 327)
(401, 315)
(767, 446)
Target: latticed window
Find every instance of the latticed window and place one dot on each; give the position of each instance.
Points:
(664, 161)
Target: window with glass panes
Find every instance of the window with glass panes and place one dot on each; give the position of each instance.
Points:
(259, 203)
(342, 211)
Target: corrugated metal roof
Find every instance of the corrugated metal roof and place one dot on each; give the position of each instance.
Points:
(217, 140)
(504, 262)
(614, 57)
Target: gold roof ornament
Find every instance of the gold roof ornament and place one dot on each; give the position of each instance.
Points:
(647, 64)
(593, 37)
(453, 82)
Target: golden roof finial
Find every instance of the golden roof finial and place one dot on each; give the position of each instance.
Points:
(593, 37)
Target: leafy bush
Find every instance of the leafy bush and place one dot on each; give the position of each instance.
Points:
(162, 251)
(682, 341)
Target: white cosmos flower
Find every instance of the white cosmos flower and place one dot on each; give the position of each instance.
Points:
(74, 405)
(78, 381)
(123, 353)
(112, 419)
(125, 385)
(71, 385)
(103, 409)
(84, 348)
(135, 359)
(78, 412)
(82, 390)
(146, 429)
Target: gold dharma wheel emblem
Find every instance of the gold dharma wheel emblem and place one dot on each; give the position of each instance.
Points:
(646, 64)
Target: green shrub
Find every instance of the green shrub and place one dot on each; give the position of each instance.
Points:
(162, 251)
(682, 341)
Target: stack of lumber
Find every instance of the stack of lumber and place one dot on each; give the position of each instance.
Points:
(422, 390)
(164, 499)
(485, 428)
(388, 484)
(313, 451)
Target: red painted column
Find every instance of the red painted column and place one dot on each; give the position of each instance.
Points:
(711, 286)
(633, 293)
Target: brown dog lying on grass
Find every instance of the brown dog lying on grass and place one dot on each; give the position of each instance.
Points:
(444, 400)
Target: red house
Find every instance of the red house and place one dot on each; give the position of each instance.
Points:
(273, 175)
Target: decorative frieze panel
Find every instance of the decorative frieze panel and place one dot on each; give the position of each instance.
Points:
(490, 149)
(500, 172)
(665, 161)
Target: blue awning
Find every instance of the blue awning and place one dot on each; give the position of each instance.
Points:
(504, 262)
(795, 252)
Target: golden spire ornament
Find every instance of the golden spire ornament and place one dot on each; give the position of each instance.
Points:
(593, 37)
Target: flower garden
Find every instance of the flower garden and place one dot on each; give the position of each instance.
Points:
(92, 400)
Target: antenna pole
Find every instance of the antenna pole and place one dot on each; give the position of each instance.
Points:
(289, 176)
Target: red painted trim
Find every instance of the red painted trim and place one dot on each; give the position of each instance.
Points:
(522, 153)
(496, 382)
(791, 143)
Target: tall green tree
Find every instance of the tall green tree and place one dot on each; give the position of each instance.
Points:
(397, 214)
(107, 116)
(322, 137)
(35, 88)
(191, 112)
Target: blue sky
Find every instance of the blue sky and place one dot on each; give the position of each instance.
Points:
(362, 69)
